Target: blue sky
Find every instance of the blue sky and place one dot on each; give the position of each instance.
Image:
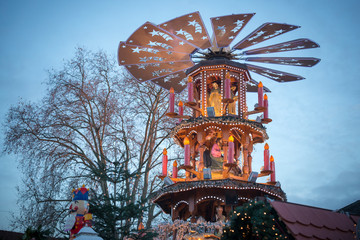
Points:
(314, 132)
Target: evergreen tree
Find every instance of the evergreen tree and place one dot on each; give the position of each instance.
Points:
(253, 220)
(116, 215)
(38, 233)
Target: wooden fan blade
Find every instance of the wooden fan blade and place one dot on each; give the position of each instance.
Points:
(130, 54)
(263, 33)
(298, 44)
(293, 61)
(274, 74)
(190, 28)
(149, 71)
(176, 80)
(226, 28)
(150, 36)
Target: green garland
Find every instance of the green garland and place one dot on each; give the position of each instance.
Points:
(253, 220)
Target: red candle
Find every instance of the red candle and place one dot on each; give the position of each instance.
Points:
(227, 85)
(164, 162)
(190, 90)
(187, 151)
(272, 168)
(230, 157)
(175, 170)
(266, 157)
(260, 94)
(172, 100)
(266, 105)
(181, 110)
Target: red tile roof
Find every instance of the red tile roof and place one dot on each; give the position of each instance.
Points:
(305, 222)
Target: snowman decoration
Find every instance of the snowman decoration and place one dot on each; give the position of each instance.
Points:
(79, 212)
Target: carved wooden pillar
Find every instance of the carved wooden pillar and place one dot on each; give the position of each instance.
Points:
(201, 152)
(192, 205)
(174, 213)
(250, 149)
(246, 163)
(247, 152)
(201, 164)
(250, 162)
(225, 138)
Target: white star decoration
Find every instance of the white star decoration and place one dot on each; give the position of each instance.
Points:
(179, 32)
(192, 23)
(141, 66)
(152, 43)
(154, 33)
(136, 50)
(238, 22)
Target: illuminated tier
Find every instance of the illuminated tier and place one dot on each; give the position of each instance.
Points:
(218, 141)
(200, 198)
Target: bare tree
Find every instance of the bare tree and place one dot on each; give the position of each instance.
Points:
(93, 119)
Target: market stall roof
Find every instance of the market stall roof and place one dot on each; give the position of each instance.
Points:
(353, 208)
(306, 222)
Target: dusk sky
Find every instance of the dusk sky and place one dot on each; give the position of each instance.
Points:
(313, 136)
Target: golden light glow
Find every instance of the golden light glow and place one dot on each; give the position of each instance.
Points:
(141, 226)
(271, 158)
(190, 79)
(181, 104)
(164, 151)
(265, 97)
(171, 90)
(266, 146)
(231, 139)
(260, 84)
(186, 141)
(88, 216)
(175, 164)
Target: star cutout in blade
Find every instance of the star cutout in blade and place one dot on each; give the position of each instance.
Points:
(154, 33)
